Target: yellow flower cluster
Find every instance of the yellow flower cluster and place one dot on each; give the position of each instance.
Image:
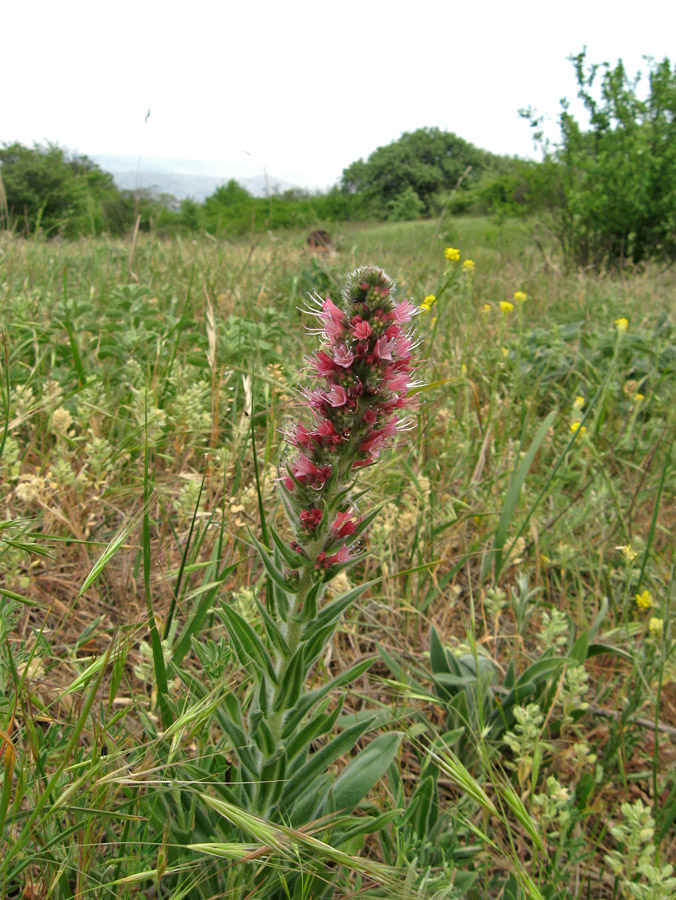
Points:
(428, 303)
(644, 600)
(655, 626)
(520, 296)
(579, 402)
(452, 254)
(621, 324)
(486, 308)
(628, 552)
(575, 427)
(468, 265)
(506, 307)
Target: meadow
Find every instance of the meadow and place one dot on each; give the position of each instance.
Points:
(510, 662)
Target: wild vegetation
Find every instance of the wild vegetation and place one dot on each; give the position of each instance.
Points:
(493, 708)
(605, 191)
(373, 602)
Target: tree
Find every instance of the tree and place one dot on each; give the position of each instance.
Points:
(49, 192)
(425, 162)
(617, 178)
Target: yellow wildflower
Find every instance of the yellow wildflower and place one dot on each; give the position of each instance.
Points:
(486, 308)
(655, 626)
(429, 301)
(520, 296)
(468, 265)
(579, 402)
(452, 254)
(628, 552)
(505, 352)
(575, 427)
(621, 324)
(639, 397)
(644, 600)
(506, 307)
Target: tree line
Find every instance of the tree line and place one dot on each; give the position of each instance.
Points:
(607, 187)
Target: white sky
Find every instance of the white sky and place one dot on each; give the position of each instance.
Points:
(305, 86)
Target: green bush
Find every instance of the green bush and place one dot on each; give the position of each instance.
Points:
(49, 192)
(617, 179)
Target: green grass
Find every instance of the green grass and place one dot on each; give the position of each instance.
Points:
(127, 485)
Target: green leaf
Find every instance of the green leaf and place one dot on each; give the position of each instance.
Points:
(362, 772)
(514, 491)
(295, 560)
(317, 726)
(332, 611)
(291, 682)
(247, 643)
(275, 574)
(438, 657)
(318, 762)
(311, 698)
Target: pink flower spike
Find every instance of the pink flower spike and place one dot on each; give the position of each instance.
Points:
(403, 312)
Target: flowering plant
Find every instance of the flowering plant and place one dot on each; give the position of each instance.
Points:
(361, 377)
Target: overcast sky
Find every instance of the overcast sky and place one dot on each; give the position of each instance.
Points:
(302, 88)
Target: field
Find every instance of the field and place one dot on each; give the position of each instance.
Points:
(510, 664)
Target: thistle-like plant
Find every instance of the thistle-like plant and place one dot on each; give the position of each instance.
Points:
(360, 382)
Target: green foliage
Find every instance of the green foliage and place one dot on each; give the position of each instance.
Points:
(406, 206)
(617, 179)
(51, 193)
(132, 758)
(47, 191)
(423, 162)
(517, 187)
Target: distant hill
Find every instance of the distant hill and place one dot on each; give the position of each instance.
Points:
(187, 178)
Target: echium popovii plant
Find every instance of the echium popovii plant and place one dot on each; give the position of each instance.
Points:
(354, 406)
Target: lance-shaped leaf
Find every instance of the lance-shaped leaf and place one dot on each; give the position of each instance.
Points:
(295, 560)
(311, 698)
(248, 645)
(318, 762)
(272, 630)
(273, 571)
(272, 779)
(362, 772)
(291, 682)
(318, 725)
(332, 611)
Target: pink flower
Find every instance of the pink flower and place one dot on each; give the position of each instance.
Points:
(321, 364)
(403, 312)
(360, 329)
(343, 524)
(310, 519)
(343, 356)
(397, 381)
(384, 347)
(302, 466)
(342, 555)
(337, 396)
(332, 318)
